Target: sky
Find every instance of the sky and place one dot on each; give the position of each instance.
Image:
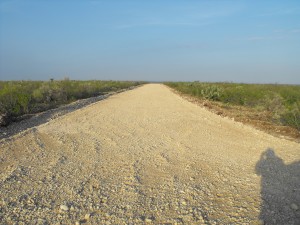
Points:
(248, 41)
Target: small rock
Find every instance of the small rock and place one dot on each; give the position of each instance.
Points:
(148, 220)
(87, 216)
(41, 221)
(294, 206)
(64, 207)
(183, 203)
(200, 219)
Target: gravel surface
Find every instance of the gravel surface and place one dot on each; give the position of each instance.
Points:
(43, 117)
(147, 156)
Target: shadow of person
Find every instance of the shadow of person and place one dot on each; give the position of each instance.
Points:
(280, 189)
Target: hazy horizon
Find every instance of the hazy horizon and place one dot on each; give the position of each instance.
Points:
(205, 40)
(149, 81)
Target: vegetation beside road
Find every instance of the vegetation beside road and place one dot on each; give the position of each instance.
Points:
(18, 98)
(280, 102)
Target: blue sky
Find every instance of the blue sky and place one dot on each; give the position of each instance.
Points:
(207, 40)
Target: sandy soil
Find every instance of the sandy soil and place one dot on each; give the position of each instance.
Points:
(147, 156)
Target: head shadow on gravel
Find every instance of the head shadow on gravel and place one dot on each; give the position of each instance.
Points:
(280, 189)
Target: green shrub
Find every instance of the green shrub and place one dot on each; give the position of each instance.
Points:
(281, 100)
(211, 92)
(292, 117)
(23, 97)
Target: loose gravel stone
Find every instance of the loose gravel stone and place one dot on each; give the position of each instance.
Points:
(294, 206)
(64, 207)
(148, 220)
(87, 216)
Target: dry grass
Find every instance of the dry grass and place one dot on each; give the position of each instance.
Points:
(254, 116)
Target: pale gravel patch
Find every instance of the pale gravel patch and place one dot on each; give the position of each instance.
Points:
(46, 116)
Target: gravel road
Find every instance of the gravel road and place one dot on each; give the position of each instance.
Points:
(147, 156)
